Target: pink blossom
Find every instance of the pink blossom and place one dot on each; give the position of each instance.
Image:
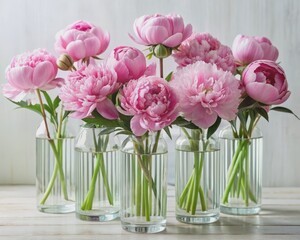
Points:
(205, 93)
(265, 82)
(129, 63)
(247, 49)
(151, 102)
(30, 71)
(156, 29)
(81, 40)
(88, 89)
(204, 47)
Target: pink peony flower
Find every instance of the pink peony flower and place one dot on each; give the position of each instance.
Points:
(30, 71)
(88, 89)
(265, 82)
(156, 29)
(151, 102)
(129, 63)
(204, 47)
(205, 93)
(81, 40)
(247, 49)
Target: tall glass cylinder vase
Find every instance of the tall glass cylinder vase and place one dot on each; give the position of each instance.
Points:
(97, 167)
(241, 172)
(55, 184)
(144, 184)
(197, 185)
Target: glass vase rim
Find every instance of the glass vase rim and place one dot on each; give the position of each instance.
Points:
(61, 138)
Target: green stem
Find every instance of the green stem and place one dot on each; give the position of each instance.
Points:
(58, 157)
(236, 164)
(193, 186)
(100, 147)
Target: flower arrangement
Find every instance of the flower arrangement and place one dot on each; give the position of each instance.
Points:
(124, 95)
(29, 78)
(263, 84)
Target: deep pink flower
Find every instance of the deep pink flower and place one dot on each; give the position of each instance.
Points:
(30, 71)
(205, 93)
(204, 47)
(151, 102)
(81, 40)
(129, 63)
(265, 82)
(88, 89)
(156, 29)
(247, 49)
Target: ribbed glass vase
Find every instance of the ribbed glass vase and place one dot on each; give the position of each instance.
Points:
(197, 185)
(97, 167)
(55, 184)
(144, 184)
(241, 173)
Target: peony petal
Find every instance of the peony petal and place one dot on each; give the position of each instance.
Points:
(76, 50)
(20, 77)
(107, 109)
(155, 34)
(12, 93)
(43, 73)
(92, 46)
(262, 92)
(173, 40)
(135, 126)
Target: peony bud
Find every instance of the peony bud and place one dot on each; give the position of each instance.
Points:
(161, 51)
(65, 62)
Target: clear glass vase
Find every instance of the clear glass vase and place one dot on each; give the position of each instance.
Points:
(197, 185)
(241, 172)
(144, 184)
(55, 184)
(97, 175)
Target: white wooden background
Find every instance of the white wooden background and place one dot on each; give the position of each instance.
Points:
(29, 24)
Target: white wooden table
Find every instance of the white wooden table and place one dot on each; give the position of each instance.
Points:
(19, 219)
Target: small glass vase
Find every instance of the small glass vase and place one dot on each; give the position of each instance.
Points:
(97, 168)
(197, 185)
(241, 172)
(144, 184)
(55, 184)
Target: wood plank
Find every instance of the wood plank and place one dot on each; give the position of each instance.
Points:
(19, 219)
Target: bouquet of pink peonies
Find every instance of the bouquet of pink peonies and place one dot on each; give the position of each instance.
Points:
(123, 95)
(263, 84)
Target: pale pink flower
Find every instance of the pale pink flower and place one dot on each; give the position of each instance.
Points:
(156, 29)
(151, 102)
(206, 92)
(129, 63)
(204, 47)
(81, 40)
(247, 49)
(88, 89)
(30, 71)
(265, 82)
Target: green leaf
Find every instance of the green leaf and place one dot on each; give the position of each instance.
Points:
(212, 129)
(149, 55)
(108, 130)
(262, 112)
(124, 132)
(66, 114)
(35, 107)
(56, 102)
(167, 130)
(248, 102)
(101, 121)
(48, 100)
(284, 110)
(169, 77)
(181, 122)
